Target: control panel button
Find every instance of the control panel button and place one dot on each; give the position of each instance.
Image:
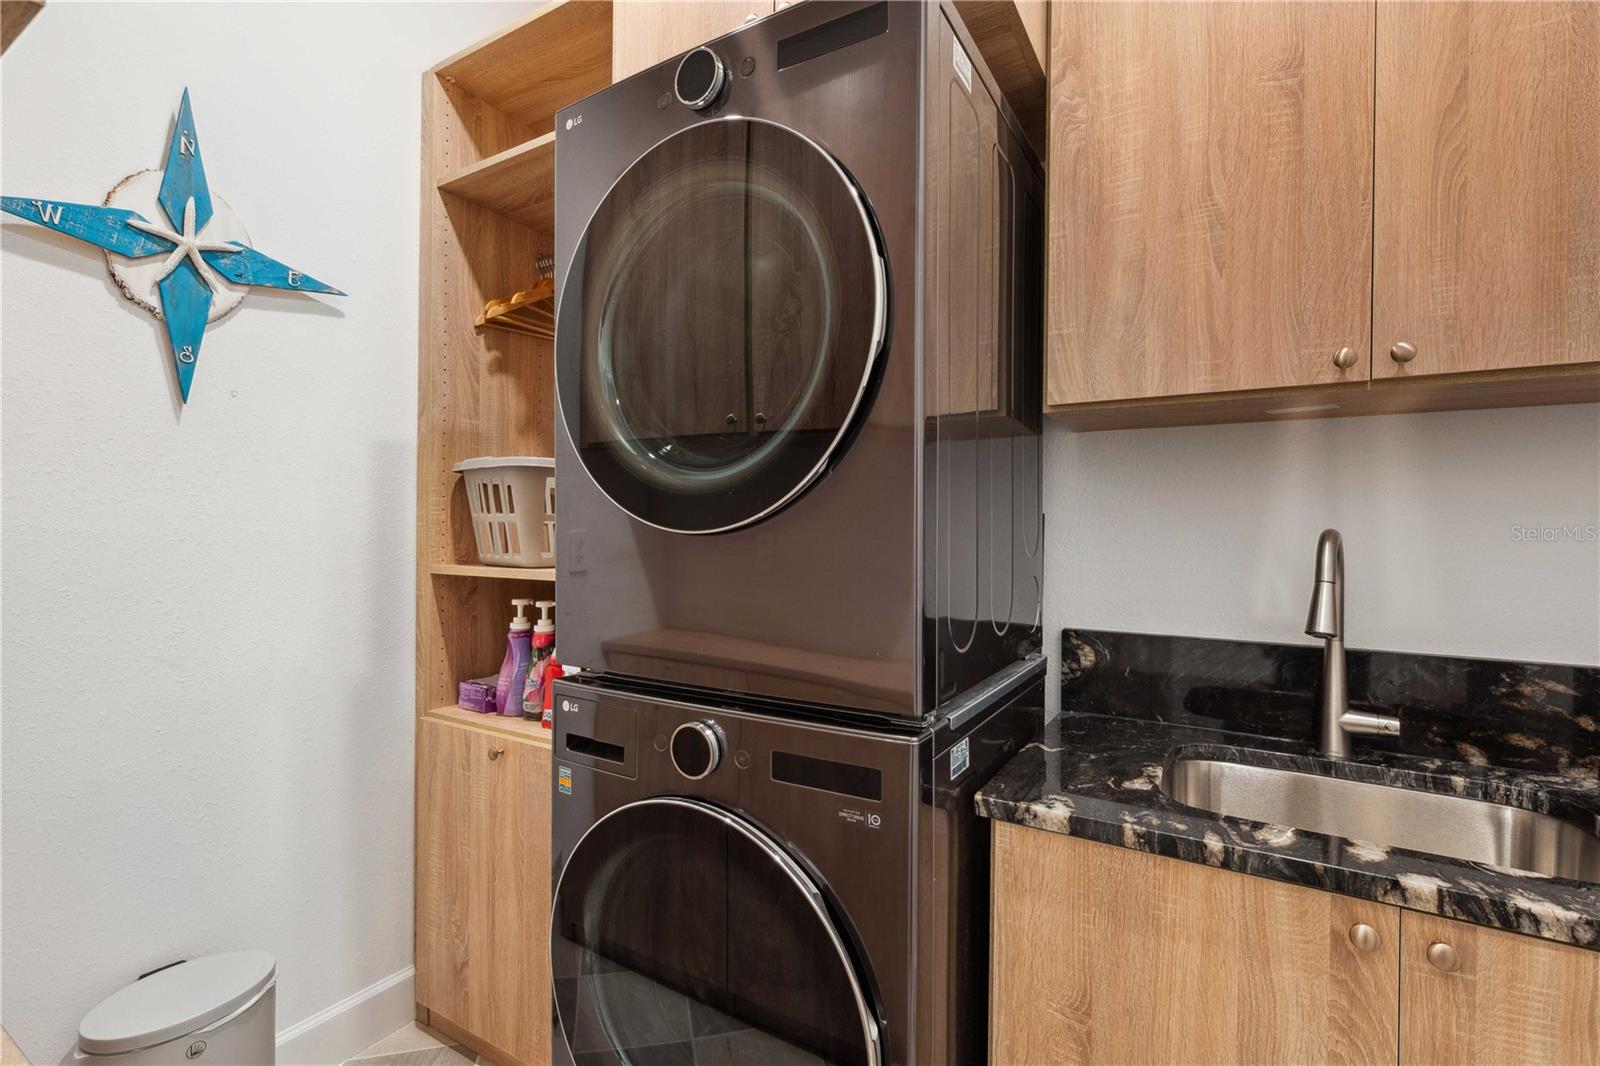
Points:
(700, 79)
(696, 749)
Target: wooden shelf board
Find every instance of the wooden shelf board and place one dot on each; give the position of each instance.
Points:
(559, 54)
(520, 728)
(504, 573)
(519, 183)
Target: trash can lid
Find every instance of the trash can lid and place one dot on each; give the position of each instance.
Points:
(175, 1002)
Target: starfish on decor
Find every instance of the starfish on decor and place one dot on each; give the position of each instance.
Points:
(195, 269)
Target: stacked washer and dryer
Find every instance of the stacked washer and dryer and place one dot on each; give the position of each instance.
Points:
(798, 354)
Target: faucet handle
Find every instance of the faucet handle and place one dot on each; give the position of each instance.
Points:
(1369, 724)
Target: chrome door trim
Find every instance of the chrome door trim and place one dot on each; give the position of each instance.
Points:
(880, 323)
(807, 887)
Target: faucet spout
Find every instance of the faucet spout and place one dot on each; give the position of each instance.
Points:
(1326, 617)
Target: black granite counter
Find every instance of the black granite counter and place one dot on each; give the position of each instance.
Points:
(1095, 773)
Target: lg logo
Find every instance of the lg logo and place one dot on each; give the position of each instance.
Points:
(576, 120)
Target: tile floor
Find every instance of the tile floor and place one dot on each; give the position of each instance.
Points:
(416, 1045)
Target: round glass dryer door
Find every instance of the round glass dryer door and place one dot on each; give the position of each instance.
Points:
(720, 326)
(681, 933)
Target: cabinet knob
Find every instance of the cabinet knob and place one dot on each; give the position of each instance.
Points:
(731, 419)
(495, 753)
(761, 418)
(1444, 957)
(1344, 358)
(1365, 938)
(1403, 352)
(751, 17)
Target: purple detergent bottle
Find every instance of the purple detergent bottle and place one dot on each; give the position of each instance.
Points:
(514, 670)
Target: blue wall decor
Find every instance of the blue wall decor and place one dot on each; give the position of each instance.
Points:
(194, 270)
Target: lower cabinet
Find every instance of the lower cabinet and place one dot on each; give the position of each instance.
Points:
(1103, 955)
(483, 889)
(1510, 998)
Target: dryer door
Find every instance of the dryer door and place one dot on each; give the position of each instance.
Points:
(681, 932)
(720, 325)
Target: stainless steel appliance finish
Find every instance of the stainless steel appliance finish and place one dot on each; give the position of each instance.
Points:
(820, 895)
(1462, 828)
(798, 352)
(1336, 721)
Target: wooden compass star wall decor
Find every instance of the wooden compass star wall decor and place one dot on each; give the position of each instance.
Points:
(205, 264)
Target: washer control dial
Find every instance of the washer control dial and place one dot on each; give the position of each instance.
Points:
(697, 748)
(700, 79)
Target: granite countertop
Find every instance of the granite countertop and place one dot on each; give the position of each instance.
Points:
(1098, 777)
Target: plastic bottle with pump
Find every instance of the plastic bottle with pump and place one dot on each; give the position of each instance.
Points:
(544, 646)
(514, 668)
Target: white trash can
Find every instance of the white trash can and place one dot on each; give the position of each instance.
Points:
(219, 1010)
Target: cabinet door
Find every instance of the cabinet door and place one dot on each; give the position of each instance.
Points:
(1488, 185)
(1102, 955)
(645, 32)
(1210, 203)
(483, 886)
(1513, 998)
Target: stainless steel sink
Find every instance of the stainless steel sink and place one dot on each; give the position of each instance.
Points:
(1475, 830)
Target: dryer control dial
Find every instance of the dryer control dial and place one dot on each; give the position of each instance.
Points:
(697, 748)
(700, 79)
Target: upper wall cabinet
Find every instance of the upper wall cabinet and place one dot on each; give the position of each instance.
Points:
(1235, 186)
(643, 34)
(1210, 197)
(1488, 186)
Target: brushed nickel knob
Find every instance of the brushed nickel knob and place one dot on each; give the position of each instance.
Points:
(1344, 358)
(495, 753)
(1365, 938)
(1403, 352)
(1444, 957)
(732, 420)
(761, 418)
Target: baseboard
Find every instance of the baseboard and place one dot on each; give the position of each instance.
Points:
(358, 1021)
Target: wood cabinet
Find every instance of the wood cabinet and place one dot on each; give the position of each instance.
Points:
(1103, 955)
(483, 887)
(645, 33)
(1210, 195)
(1488, 185)
(1513, 998)
(1253, 204)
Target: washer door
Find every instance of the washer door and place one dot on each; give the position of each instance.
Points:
(720, 325)
(681, 933)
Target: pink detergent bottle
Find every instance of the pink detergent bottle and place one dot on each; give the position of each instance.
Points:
(544, 646)
(514, 669)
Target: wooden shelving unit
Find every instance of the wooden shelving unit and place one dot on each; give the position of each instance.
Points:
(488, 214)
(488, 182)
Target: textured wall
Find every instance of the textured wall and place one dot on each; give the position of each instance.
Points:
(1211, 531)
(207, 738)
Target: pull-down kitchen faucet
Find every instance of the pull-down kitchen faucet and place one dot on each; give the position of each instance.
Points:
(1337, 722)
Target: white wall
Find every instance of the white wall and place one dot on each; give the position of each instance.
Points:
(1210, 531)
(208, 641)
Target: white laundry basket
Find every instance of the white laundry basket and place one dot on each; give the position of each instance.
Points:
(513, 501)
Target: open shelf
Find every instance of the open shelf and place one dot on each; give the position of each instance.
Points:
(520, 728)
(519, 183)
(504, 573)
(559, 54)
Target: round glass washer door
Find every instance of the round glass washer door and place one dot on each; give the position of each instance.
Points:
(681, 932)
(720, 326)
